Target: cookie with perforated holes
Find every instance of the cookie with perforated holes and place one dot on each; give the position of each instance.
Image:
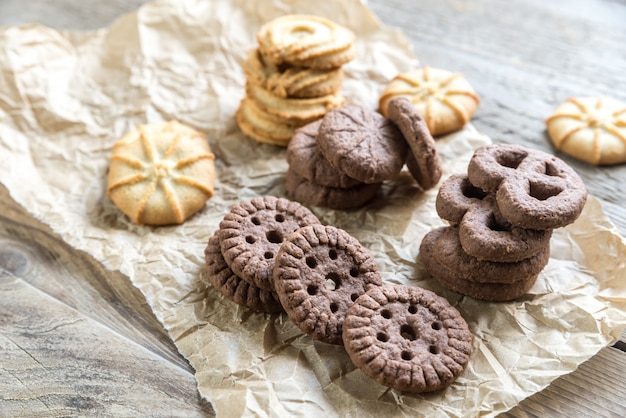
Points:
(232, 286)
(319, 272)
(252, 232)
(407, 338)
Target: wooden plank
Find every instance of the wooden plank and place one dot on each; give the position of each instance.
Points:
(596, 389)
(75, 338)
(78, 280)
(57, 362)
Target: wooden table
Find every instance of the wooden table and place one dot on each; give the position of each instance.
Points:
(524, 57)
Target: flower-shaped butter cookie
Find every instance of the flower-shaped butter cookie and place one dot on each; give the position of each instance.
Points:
(591, 129)
(161, 173)
(445, 100)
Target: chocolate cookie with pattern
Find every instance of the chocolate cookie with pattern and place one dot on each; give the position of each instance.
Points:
(305, 159)
(319, 272)
(251, 234)
(423, 161)
(407, 338)
(363, 144)
(310, 193)
(232, 287)
(448, 251)
(534, 189)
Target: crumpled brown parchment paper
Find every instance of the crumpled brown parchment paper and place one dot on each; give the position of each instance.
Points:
(66, 97)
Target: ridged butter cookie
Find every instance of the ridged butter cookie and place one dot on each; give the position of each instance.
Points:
(161, 173)
(306, 41)
(288, 81)
(591, 129)
(445, 100)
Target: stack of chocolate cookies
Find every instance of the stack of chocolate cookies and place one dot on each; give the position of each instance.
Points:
(501, 217)
(294, 76)
(341, 161)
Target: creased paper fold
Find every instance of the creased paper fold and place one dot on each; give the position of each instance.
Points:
(66, 97)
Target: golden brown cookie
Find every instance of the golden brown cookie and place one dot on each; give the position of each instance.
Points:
(591, 129)
(445, 100)
(288, 81)
(292, 110)
(307, 41)
(263, 126)
(161, 173)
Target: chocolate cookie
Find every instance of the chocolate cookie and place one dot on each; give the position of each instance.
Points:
(423, 161)
(456, 195)
(310, 193)
(448, 252)
(305, 159)
(363, 144)
(252, 232)
(407, 338)
(232, 287)
(484, 232)
(535, 190)
(493, 292)
(319, 272)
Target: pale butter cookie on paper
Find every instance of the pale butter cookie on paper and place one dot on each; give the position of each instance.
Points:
(161, 173)
(290, 81)
(591, 129)
(306, 41)
(445, 100)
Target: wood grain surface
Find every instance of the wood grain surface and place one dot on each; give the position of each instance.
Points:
(77, 340)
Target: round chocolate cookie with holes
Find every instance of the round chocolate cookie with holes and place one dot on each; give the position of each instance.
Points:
(232, 287)
(251, 234)
(318, 274)
(407, 338)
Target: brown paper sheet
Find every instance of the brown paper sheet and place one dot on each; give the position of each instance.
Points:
(66, 97)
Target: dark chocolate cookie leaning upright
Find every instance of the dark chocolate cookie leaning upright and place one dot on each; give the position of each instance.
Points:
(319, 272)
(407, 338)
(362, 143)
(423, 161)
(251, 234)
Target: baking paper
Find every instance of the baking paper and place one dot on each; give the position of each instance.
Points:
(65, 98)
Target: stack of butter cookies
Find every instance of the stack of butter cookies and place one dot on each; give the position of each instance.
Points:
(501, 217)
(341, 161)
(294, 76)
